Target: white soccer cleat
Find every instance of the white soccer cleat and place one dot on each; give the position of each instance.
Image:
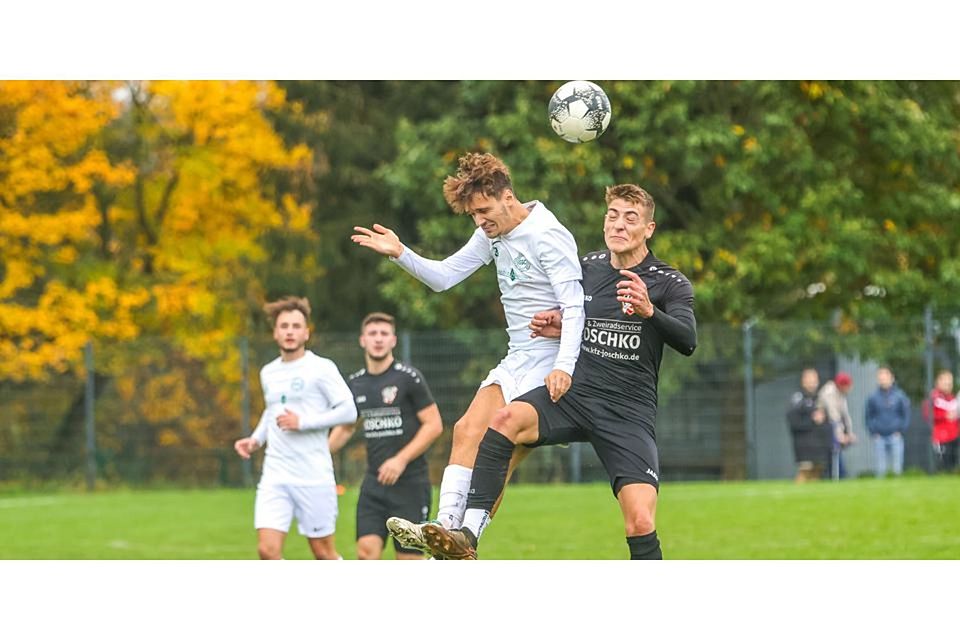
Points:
(408, 534)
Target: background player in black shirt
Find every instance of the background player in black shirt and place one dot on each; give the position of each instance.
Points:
(400, 420)
(634, 304)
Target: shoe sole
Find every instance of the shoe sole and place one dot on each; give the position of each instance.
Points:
(445, 546)
(407, 534)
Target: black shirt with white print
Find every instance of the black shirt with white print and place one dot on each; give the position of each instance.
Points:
(387, 405)
(620, 352)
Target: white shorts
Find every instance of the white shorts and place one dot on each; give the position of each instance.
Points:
(315, 509)
(521, 371)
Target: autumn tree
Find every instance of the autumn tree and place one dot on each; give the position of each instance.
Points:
(136, 210)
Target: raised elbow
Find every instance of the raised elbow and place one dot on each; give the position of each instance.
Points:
(688, 346)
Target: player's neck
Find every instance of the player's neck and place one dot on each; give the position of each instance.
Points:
(518, 213)
(290, 356)
(629, 259)
(376, 367)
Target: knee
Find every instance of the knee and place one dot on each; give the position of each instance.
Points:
(464, 429)
(506, 421)
(640, 523)
(268, 551)
(367, 552)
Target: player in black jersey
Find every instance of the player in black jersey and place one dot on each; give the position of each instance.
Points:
(634, 305)
(400, 420)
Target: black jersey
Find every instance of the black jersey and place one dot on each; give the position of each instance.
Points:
(620, 352)
(387, 405)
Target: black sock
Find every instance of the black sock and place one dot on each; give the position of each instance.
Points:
(645, 547)
(490, 470)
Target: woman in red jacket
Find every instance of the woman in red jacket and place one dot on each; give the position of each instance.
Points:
(945, 432)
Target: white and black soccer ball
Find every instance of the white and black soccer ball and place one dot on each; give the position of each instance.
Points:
(579, 111)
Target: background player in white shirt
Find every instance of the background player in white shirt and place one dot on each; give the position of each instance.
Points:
(537, 268)
(305, 396)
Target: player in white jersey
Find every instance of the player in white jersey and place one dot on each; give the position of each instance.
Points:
(538, 267)
(305, 396)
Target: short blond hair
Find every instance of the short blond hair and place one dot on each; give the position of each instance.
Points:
(287, 303)
(634, 195)
(477, 173)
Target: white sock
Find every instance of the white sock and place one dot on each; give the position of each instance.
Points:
(476, 520)
(453, 495)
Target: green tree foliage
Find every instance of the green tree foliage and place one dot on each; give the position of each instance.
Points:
(778, 199)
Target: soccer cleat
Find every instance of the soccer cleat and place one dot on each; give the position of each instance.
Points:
(408, 534)
(448, 545)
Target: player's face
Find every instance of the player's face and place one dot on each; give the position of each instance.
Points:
(492, 214)
(378, 340)
(810, 381)
(626, 227)
(291, 331)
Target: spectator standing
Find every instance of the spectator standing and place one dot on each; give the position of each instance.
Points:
(833, 399)
(888, 417)
(941, 411)
(808, 426)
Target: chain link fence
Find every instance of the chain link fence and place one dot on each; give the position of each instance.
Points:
(147, 413)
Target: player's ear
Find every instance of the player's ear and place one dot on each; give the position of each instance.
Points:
(651, 226)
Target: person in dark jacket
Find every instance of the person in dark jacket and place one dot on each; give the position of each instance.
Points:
(888, 417)
(812, 435)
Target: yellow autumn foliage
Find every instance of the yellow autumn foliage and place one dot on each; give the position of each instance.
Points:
(134, 211)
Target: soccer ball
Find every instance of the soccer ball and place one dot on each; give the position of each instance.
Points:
(579, 111)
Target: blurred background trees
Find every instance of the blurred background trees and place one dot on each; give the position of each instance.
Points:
(163, 214)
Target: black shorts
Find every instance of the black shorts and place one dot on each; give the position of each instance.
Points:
(377, 502)
(627, 448)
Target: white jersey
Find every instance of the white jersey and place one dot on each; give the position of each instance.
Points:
(312, 388)
(538, 268)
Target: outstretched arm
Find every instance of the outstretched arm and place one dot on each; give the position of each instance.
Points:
(439, 275)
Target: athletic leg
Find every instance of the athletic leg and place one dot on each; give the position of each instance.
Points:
(467, 433)
(272, 514)
(270, 544)
(519, 455)
(323, 548)
(370, 547)
(517, 423)
(638, 503)
(316, 510)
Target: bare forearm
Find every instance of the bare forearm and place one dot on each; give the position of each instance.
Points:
(428, 432)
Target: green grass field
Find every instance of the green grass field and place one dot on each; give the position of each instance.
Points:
(908, 518)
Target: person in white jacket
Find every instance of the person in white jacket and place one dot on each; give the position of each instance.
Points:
(305, 396)
(538, 268)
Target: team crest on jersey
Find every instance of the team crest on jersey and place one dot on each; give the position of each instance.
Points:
(297, 384)
(627, 309)
(389, 394)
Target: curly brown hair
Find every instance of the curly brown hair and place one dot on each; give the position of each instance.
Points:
(287, 303)
(481, 173)
(634, 195)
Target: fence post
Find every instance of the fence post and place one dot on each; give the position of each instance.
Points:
(245, 465)
(928, 371)
(748, 398)
(405, 348)
(89, 426)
